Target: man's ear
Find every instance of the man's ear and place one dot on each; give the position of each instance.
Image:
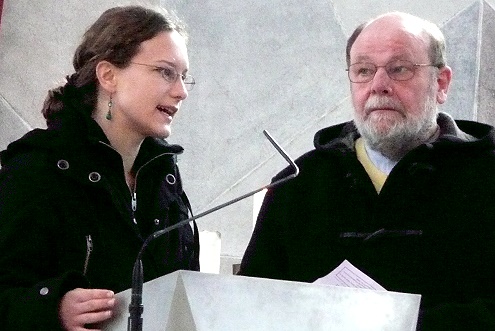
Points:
(106, 75)
(443, 79)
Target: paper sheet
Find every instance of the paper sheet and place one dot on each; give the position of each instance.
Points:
(348, 275)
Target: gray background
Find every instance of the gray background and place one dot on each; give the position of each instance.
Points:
(274, 65)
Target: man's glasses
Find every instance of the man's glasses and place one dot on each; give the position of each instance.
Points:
(397, 70)
(171, 75)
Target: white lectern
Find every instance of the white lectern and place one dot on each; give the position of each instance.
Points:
(194, 301)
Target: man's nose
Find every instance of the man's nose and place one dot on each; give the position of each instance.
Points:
(381, 83)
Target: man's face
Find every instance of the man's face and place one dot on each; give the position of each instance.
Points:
(387, 109)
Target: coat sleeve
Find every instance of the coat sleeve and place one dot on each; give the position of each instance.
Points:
(265, 253)
(476, 315)
(30, 288)
(192, 256)
(35, 307)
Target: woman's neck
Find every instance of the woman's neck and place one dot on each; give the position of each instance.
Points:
(124, 142)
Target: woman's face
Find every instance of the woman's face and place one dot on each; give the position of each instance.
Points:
(144, 102)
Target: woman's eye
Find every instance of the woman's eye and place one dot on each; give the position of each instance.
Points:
(168, 73)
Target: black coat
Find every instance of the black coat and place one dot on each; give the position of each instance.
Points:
(430, 231)
(67, 219)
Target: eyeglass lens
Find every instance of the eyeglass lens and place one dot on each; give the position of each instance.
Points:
(396, 70)
(171, 75)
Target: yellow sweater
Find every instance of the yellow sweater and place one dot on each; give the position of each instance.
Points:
(377, 177)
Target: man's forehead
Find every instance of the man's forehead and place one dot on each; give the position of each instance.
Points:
(398, 38)
(389, 23)
(413, 24)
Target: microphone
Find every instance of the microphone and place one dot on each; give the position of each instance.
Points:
(135, 321)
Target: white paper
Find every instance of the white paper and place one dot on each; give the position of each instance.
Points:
(349, 276)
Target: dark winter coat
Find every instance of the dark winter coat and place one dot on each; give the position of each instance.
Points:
(430, 231)
(67, 219)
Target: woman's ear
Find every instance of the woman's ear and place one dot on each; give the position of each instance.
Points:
(106, 75)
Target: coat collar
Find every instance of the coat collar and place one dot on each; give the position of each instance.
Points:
(74, 133)
(452, 132)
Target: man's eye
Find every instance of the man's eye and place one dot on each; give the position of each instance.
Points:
(400, 69)
(364, 71)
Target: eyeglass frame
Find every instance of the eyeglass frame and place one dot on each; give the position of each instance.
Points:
(414, 65)
(184, 77)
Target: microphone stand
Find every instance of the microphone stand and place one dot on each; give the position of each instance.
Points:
(135, 321)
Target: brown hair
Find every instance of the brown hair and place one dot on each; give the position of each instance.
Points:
(114, 37)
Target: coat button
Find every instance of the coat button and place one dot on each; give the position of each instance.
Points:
(94, 177)
(44, 291)
(63, 164)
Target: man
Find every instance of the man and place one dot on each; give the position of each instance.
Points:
(403, 192)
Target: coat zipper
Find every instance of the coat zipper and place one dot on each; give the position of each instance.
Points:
(89, 249)
(134, 204)
(133, 193)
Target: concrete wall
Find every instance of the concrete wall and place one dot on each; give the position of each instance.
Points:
(276, 65)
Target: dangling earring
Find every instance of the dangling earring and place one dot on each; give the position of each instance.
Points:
(109, 113)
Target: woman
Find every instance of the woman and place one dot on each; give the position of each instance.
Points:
(78, 199)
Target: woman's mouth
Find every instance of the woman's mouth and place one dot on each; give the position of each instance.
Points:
(169, 110)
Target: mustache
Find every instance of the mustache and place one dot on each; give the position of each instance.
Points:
(382, 102)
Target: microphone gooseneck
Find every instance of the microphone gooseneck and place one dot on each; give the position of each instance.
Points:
(135, 321)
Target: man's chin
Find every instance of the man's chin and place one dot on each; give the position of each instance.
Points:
(387, 115)
(384, 126)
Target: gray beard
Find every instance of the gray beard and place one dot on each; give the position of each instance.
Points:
(404, 136)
